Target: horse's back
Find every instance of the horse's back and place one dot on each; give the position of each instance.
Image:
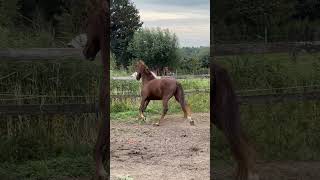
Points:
(158, 88)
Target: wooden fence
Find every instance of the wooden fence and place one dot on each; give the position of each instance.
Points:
(200, 76)
(58, 54)
(93, 108)
(261, 48)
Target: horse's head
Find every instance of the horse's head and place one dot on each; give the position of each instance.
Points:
(96, 10)
(141, 68)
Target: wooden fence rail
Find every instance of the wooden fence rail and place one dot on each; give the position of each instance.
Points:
(199, 76)
(93, 108)
(35, 54)
(261, 48)
(217, 50)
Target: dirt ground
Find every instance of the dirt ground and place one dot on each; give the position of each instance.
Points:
(174, 150)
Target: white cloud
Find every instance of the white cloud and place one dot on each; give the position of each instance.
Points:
(191, 25)
(149, 15)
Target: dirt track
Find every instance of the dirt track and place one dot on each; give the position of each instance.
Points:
(174, 150)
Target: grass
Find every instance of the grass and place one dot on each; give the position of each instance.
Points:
(129, 109)
(276, 130)
(272, 70)
(55, 168)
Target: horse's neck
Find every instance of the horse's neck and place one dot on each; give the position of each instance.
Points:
(147, 77)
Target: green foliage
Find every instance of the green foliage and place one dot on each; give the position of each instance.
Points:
(125, 20)
(308, 9)
(158, 48)
(248, 21)
(10, 38)
(194, 60)
(64, 19)
(9, 12)
(70, 21)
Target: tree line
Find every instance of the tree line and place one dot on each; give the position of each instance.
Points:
(54, 23)
(266, 21)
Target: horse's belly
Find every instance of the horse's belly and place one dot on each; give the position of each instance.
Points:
(154, 97)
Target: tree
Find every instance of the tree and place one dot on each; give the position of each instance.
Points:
(9, 12)
(307, 9)
(158, 48)
(250, 20)
(191, 54)
(125, 21)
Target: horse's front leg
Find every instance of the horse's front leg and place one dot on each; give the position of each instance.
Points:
(146, 105)
(165, 110)
(142, 108)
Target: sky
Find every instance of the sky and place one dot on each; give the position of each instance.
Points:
(188, 19)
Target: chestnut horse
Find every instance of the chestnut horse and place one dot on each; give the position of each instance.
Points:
(226, 117)
(98, 38)
(160, 89)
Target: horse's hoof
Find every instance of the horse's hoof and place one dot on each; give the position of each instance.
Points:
(192, 123)
(190, 120)
(142, 118)
(156, 124)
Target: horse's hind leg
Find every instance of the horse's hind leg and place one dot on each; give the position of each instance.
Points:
(185, 108)
(185, 113)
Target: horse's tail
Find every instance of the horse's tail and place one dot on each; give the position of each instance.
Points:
(179, 95)
(226, 117)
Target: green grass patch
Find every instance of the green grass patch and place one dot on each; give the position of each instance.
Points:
(128, 110)
(277, 129)
(55, 169)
